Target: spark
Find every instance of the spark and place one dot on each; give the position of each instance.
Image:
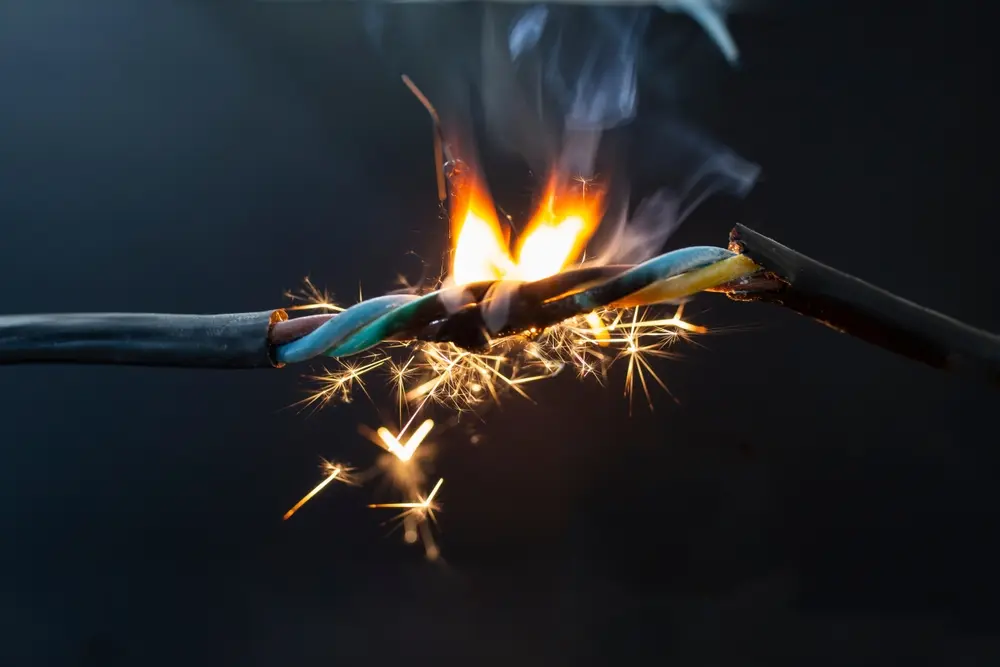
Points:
(422, 504)
(339, 385)
(585, 183)
(675, 322)
(414, 518)
(404, 452)
(637, 352)
(400, 463)
(312, 298)
(578, 343)
(401, 374)
(334, 471)
(456, 377)
(461, 379)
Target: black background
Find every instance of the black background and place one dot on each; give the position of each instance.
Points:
(810, 501)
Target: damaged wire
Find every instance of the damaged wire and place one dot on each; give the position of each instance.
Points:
(754, 268)
(269, 339)
(536, 305)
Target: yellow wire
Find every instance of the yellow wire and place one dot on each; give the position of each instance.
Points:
(691, 282)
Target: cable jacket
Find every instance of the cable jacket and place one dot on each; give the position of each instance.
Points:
(855, 307)
(237, 340)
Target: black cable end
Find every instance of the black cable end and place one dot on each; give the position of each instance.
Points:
(852, 306)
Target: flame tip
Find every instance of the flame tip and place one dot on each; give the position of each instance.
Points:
(555, 237)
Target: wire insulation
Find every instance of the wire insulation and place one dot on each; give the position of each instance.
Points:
(343, 326)
(754, 268)
(238, 340)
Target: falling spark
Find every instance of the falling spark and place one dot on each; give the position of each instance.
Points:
(414, 518)
(404, 452)
(339, 385)
(400, 375)
(422, 505)
(312, 298)
(334, 472)
(636, 353)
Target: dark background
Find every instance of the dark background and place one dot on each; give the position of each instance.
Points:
(810, 501)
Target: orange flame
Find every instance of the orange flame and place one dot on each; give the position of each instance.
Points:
(556, 235)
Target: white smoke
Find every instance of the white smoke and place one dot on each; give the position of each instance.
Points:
(548, 81)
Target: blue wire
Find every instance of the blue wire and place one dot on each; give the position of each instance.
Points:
(385, 327)
(340, 327)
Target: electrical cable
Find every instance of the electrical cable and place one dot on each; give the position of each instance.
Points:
(269, 338)
(754, 268)
(237, 340)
